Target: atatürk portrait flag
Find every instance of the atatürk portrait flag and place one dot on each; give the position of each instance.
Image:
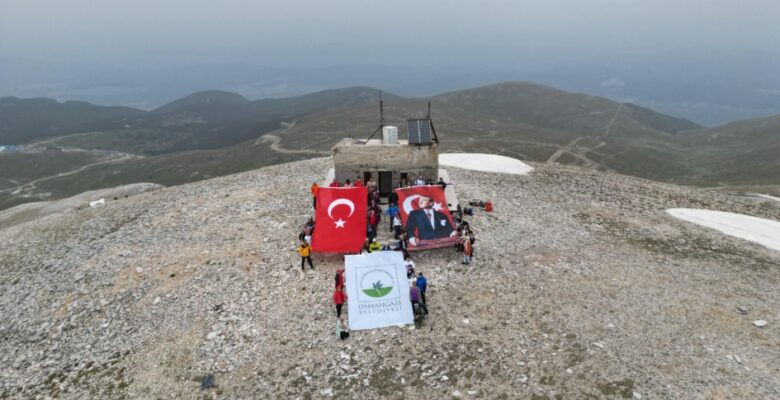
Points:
(340, 220)
(426, 218)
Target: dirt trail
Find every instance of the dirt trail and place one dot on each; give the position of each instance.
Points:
(273, 142)
(609, 125)
(29, 186)
(573, 148)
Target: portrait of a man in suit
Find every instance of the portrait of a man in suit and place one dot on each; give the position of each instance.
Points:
(426, 223)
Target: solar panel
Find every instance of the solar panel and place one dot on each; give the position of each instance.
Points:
(419, 131)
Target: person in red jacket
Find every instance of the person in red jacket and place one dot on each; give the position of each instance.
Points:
(339, 298)
(314, 189)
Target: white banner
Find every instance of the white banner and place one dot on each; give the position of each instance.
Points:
(377, 290)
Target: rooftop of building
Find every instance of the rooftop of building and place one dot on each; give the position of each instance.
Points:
(370, 142)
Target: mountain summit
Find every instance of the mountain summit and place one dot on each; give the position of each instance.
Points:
(580, 286)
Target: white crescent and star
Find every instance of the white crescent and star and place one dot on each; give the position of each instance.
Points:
(340, 223)
(408, 203)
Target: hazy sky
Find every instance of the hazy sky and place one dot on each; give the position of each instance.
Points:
(316, 32)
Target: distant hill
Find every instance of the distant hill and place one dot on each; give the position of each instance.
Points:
(545, 107)
(216, 133)
(527, 121)
(203, 120)
(206, 101)
(742, 151)
(24, 120)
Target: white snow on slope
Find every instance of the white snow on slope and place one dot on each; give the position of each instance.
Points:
(485, 162)
(766, 196)
(760, 230)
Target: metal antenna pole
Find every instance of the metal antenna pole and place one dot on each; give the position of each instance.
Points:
(381, 120)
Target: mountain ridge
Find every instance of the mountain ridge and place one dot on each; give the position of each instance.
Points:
(195, 139)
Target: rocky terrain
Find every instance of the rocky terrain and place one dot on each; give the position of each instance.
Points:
(31, 211)
(581, 288)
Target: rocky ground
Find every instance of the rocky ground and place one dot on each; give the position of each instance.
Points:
(581, 288)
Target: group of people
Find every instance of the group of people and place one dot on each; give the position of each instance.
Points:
(420, 181)
(418, 286)
(418, 283)
(304, 248)
(467, 239)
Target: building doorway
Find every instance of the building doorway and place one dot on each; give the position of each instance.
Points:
(366, 177)
(385, 182)
(404, 182)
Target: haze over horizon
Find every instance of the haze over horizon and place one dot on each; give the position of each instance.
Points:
(711, 61)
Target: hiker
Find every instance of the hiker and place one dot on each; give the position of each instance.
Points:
(347, 183)
(314, 189)
(409, 267)
(305, 251)
(335, 183)
(461, 234)
(466, 250)
(403, 243)
(374, 246)
(392, 211)
(339, 298)
(415, 297)
(397, 226)
(306, 230)
(358, 182)
(392, 198)
(442, 183)
(422, 284)
(339, 277)
(342, 328)
(472, 239)
(373, 220)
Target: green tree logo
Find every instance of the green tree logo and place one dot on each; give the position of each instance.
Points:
(377, 290)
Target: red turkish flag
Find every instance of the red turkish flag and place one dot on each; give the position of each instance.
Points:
(426, 217)
(340, 220)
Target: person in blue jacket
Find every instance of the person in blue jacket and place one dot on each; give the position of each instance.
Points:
(392, 211)
(422, 284)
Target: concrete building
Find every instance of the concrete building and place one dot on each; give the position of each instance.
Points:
(388, 161)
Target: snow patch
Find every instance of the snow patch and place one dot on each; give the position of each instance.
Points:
(760, 230)
(766, 196)
(485, 163)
